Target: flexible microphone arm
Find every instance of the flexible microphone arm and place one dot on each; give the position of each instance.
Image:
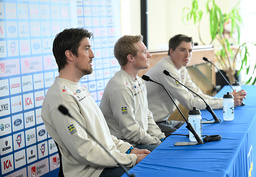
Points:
(206, 59)
(208, 107)
(189, 126)
(65, 111)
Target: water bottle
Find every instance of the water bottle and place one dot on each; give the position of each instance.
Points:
(228, 107)
(236, 86)
(195, 119)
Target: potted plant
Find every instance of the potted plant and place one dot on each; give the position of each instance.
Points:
(225, 34)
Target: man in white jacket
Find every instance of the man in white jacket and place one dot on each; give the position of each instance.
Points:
(180, 53)
(124, 101)
(81, 155)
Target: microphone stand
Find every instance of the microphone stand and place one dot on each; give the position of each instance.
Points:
(208, 107)
(65, 111)
(189, 126)
(206, 59)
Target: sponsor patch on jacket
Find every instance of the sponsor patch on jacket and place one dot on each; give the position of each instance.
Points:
(72, 129)
(124, 110)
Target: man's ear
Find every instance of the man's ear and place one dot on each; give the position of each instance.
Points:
(69, 55)
(130, 58)
(170, 51)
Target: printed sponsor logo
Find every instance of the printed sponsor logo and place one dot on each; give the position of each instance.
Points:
(29, 119)
(52, 146)
(11, 29)
(17, 121)
(18, 140)
(4, 87)
(28, 101)
(7, 164)
(49, 78)
(2, 28)
(19, 159)
(54, 161)
(41, 132)
(6, 145)
(39, 168)
(5, 126)
(33, 64)
(30, 136)
(16, 104)
(38, 116)
(39, 97)
(31, 154)
(15, 85)
(43, 149)
(9, 67)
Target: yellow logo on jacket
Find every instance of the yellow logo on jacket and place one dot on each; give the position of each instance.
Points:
(72, 129)
(124, 110)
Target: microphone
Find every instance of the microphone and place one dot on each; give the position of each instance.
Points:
(208, 107)
(189, 126)
(65, 111)
(206, 59)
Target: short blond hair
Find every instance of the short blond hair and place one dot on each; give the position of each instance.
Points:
(125, 46)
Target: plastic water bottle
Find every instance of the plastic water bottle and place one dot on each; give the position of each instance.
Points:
(228, 107)
(195, 119)
(236, 86)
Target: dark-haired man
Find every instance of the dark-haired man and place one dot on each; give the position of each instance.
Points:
(180, 53)
(81, 155)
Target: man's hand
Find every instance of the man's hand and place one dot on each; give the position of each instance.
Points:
(139, 151)
(140, 157)
(238, 97)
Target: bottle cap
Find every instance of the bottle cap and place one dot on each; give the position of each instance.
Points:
(228, 95)
(194, 111)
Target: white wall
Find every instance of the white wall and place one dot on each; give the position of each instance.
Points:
(165, 20)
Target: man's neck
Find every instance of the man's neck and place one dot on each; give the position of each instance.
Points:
(70, 75)
(131, 71)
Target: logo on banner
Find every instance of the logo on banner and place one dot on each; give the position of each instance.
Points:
(2, 69)
(33, 171)
(7, 164)
(1, 30)
(18, 139)
(13, 47)
(42, 149)
(55, 161)
(28, 101)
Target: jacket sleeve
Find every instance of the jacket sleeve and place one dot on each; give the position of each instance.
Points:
(215, 103)
(83, 148)
(130, 128)
(182, 94)
(153, 128)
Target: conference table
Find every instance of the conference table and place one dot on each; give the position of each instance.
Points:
(232, 156)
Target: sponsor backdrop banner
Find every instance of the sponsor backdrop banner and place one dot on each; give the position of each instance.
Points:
(28, 69)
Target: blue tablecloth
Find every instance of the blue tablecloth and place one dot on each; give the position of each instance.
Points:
(232, 156)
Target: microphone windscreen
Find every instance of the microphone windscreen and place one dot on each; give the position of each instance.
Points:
(63, 110)
(205, 59)
(146, 78)
(166, 72)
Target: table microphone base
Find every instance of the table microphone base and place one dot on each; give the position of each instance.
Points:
(208, 122)
(185, 143)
